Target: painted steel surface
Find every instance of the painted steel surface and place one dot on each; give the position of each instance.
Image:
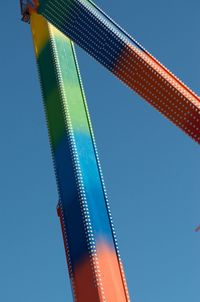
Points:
(84, 23)
(94, 263)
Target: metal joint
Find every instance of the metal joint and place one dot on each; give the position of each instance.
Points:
(28, 7)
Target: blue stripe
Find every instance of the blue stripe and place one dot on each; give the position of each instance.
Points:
(86, 30)
(70, 202)
(95, 199)
(93, 187)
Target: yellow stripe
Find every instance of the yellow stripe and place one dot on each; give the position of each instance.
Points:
(40, 32)
(58, 34)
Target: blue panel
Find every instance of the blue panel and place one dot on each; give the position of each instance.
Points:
(93, 187)
(95, 198)
(70, 202)
(83, 27)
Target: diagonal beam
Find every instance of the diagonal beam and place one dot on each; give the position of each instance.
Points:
(89, 27)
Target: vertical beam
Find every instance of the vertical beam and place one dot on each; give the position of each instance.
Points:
(94, 264)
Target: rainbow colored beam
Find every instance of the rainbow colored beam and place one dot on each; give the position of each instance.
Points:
(94, 263)
(88, 26)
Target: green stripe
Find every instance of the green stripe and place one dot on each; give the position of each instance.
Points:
(69, 6)
(52, 95)
(47, 70)
(56, 119)
(74, 95)
(64, 91)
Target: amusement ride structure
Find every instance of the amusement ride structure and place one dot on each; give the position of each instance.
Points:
(94, 264)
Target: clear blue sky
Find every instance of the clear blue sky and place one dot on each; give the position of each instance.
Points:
(152, 170)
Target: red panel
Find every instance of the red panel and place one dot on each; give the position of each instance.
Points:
(144, 74)
(105, 282)
(99, 277)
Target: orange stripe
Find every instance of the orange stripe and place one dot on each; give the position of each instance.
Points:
(160, 88)
(112, 277)
(85, 283)
(100, 277)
